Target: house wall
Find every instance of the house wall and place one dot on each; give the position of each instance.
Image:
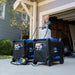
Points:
(6, 31)
(54, 4)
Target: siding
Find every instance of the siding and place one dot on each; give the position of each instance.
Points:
(6, 31)
(54, 4)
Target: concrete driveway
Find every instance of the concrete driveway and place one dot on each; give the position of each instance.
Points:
(68, 68)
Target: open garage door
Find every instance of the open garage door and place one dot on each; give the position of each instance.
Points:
(63, 26)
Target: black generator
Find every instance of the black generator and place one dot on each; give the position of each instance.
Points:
(48, 51)
(22, 49)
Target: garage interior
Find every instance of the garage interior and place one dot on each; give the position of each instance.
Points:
(63, 26)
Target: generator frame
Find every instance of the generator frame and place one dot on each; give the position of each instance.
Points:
(24, 51)
(47, 55)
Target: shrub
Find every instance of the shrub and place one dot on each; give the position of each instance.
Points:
(6, 47)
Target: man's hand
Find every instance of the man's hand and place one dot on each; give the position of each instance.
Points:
(48, 23)
(45, 25)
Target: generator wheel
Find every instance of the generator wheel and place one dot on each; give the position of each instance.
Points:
(13, 60)
(34, 62)
(61, 61)
(49, 62)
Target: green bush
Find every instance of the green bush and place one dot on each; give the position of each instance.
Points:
(6, 47)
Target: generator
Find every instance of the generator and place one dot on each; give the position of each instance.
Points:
(22, 49)
(48, 51)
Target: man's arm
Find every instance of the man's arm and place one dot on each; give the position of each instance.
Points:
(46, 24)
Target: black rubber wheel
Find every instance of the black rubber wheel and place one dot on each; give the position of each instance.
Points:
(13, 60)
(61, 61)
(49, 63)
(34, 62)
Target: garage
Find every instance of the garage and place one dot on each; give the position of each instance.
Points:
(63, 26)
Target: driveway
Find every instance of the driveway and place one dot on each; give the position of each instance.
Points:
(68, 68)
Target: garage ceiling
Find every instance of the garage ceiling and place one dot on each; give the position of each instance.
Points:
(67, 15)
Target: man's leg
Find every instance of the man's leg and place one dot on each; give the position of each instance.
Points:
(45, 33)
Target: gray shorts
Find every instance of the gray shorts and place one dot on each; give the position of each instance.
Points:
(45, 33)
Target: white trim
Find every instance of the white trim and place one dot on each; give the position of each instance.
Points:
(55, 10)
(24, 18)
(32, 3)
(34, 18)
(3, 13)
(45, 2)
(26, 9)
(17, 2)
(28, 2)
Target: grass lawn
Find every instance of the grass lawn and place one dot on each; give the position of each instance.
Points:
(5, 56)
